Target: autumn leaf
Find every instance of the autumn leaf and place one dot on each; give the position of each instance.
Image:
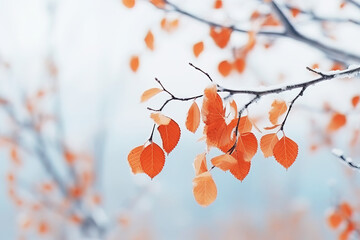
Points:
(158, 3)
(245, 125)
(149, 40)
(242, 168)
(221, 36)
(334, 219)
(200, 164)
(149, 94)
(152, 160)
(295, 12)
(198, 48)
(272, 127)
(225, 162)
(204, 189)
(267, 144)
(240, 65)
(278, 108)
(170, 135)
(134, 63)
(193, 118)
(134, 159)
(225, 68)
(169, 25)
(285, 151)
(218, 4)
(346, 209)
(160, 119)
(247, 145)
(129, 3)
(337, 121)
(233, 108)
(355, 100)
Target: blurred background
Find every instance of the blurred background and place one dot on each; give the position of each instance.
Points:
(70, 113)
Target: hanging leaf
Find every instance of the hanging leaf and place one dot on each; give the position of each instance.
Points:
(170, 135)
(200, 164)
(193, 118)
(225, 68)
(247, 144)
(240, 65)
(149, 94)
(242, 168)
(158, 3)
(198, 48)
(221, 36)
(134, 63)
(149, 40)
(245, 125)
(285, 151)
(160, 119)
(233, 108)
(134, 159)
(129, 3)
(278, 108)
(218, 4)
(267, 144)
(152, 160)
(225, 162)
(337, 121)
(355, 100)
(204, 189)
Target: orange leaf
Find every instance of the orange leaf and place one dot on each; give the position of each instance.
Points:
(69, 156)
(158, 3)
(247, 144)
(242, 168)
(334, 219)
(337, 121)
(198, 48)
(240, 65)
(170, 135)
(233, 108)
(193, 118)
(245, 125)
(337, 67)
(150, 93)
(221, 36)
(204, 189)
(134, 63)
(200, 164)
(225, 162)
(278, 109)
(168, 25)
(43, 228)
(346, 209)
(134, 159)
(285, 151)
(225, 68)
(149, 40)
(152, 160)
(129, 3)
(355, 101)
(272, 127)
(267, 144)
(160, 119)
(271, 21)
(295, 12)
(218, 4)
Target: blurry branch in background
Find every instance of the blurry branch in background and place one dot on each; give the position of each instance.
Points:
(290, 32)
(347, 160)
(354, 2)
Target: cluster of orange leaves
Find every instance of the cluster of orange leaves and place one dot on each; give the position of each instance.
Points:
(342, 218)
(219, 132)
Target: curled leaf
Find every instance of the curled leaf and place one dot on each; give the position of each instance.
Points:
(149, 94)
(278, 108)
(225, 162)
(134, 159)
(160, 119)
